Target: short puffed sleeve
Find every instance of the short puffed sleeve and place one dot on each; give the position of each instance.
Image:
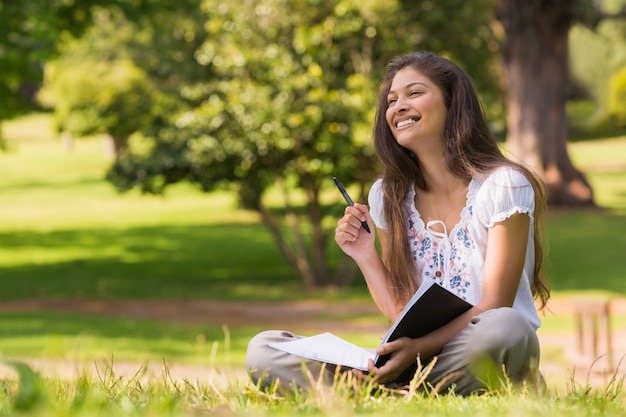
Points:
(504, 192)
(375, 201)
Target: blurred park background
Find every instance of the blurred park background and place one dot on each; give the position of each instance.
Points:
(165, 172)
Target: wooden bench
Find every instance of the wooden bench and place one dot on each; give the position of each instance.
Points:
(593, 325)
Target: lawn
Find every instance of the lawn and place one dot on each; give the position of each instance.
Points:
(66, 234)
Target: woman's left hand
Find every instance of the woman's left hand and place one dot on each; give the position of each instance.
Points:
(404, 352)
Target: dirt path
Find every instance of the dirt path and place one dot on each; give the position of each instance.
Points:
(560, 360)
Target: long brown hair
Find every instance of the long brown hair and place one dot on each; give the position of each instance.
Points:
(470, 149)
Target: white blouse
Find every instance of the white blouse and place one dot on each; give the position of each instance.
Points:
(456, 259)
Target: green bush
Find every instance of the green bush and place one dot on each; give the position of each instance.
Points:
(588, 122)
(616, 108)
(91, 97)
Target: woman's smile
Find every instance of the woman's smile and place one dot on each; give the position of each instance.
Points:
(406, 122)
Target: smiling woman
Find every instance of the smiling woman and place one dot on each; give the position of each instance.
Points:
(449, 210)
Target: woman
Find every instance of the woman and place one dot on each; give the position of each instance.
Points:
(451, 208)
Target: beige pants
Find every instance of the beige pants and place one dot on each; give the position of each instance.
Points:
(500, 339)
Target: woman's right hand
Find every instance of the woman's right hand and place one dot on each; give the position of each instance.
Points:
(350, 234)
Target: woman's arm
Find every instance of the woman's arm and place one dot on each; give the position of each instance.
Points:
(360, 245)
(504, 263)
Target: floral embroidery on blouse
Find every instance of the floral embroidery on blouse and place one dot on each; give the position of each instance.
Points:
(441, 257)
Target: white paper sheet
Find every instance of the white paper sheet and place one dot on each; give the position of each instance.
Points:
(327, 347)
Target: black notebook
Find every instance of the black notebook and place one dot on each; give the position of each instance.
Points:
(431, 307)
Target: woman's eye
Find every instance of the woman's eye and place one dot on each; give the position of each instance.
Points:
(391, 101)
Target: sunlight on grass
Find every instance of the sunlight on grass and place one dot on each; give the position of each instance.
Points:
(599, 154)
(54, 188)
(604, 162)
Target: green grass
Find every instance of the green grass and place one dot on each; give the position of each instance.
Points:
(65, 233)
(586, 251)
(110, 395)
(85, 338)
(604, 162)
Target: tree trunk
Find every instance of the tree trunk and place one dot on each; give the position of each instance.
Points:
(535, 61)
(309, 260)
(296, 260)
(67, 141)
(115, 145)
(318, 236)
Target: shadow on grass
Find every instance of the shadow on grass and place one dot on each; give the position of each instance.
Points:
(240, 261)
(215, 261)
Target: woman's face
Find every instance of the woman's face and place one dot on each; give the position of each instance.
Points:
(417, 112)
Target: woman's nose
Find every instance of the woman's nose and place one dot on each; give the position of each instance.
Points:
(401, 106)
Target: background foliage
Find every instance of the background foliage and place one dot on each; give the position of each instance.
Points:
(590, 108)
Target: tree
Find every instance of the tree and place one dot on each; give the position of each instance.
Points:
(30, 33)
(115, 98)
(286, 102)
(535, 60)
(283, 109)
(96, 87)
(28, 37)
(596, 55)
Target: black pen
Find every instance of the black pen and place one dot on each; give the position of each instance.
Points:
(349, 200)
